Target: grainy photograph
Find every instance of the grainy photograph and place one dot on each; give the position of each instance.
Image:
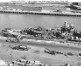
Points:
(40, 32)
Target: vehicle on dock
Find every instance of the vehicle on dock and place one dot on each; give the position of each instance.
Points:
(20, 47)
(49, 51)
(52, 52)
(13, 40)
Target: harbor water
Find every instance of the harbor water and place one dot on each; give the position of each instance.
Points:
(21, 21)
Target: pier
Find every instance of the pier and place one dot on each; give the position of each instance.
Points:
(43, 13)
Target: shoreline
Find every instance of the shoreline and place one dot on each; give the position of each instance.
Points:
(43, 13)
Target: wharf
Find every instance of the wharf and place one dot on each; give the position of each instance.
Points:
(43, 13)
(48, 43)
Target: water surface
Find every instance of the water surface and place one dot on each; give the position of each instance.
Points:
(20, 21)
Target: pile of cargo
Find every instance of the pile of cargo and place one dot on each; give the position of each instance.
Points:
(54, 52)
(24, 62)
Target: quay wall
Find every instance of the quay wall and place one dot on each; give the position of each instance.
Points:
(42, 13)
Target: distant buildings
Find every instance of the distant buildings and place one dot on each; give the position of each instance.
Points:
(36, 1)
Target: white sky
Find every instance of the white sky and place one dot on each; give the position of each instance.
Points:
(41, 0)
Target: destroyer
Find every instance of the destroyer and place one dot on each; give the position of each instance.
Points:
(65, 32)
